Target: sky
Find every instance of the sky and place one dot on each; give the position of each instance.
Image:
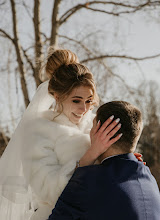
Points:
(137, 35)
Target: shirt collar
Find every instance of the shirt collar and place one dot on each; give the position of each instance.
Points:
(128, 156)
(108, 158)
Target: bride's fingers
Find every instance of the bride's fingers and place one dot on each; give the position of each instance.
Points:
(108, 136)
(113, 140)
(105, 124)
(137, 154)
(140, 159)
(111, 129)
(97, 127)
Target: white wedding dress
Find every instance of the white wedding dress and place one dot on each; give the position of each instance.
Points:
(40, 159)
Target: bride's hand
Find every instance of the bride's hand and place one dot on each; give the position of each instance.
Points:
(100, 140)
(139, 157)
(101, 137)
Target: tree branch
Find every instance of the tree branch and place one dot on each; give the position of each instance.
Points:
(2, 3)
(78, 42)
(73, 10)
(148, 2)
(89, 52)
(70, 12)
(55, 23)
(113, 13)
(27, 10)
(119, 56)
(4, 136)
(45, 37)
(28, 60)
(6, 35)
(103, 11)
(18, 53)
(38, 41)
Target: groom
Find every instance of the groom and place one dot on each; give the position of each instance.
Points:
(120, 187)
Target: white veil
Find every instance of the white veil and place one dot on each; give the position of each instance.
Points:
(15, 193)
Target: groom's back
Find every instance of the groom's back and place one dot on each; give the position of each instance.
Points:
(120, 188)
(124, 189)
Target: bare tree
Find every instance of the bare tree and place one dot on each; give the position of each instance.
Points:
(38, 40)
(150, 139)
(16, 43)
(115, 9)
(3, 141)
(55, 23)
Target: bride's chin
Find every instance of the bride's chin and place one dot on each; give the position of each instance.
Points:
(76, 121)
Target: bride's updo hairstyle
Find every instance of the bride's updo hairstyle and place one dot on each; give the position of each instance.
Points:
(66, 73)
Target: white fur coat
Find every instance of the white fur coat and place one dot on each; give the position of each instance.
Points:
(52, 148)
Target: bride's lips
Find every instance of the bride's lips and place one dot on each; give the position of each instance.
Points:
(78, 115)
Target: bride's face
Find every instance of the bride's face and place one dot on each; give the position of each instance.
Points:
(78, 103)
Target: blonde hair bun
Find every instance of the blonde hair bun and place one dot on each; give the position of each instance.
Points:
(57, 58)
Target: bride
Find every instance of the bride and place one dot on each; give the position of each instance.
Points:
(51, 137)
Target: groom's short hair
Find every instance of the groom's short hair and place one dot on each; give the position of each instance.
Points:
(130, 118)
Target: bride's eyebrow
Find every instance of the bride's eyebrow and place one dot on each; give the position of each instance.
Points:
(79, 97)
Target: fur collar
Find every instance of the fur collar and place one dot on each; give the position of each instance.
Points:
(62, 119)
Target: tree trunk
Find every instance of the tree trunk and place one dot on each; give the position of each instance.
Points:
(55, 23)
(38, 41)
(19, 55)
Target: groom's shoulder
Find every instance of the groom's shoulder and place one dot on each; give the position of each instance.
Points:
(87, 169)
(86, 173)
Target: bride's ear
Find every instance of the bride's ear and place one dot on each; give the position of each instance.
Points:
(56, 97)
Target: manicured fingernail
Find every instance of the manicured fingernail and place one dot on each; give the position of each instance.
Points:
(119, 125)
(98, 122)
(117, 120)
(120, 135)
(112, 117)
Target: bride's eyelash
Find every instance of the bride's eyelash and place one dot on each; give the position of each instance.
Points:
(78, 101)
(89, 101)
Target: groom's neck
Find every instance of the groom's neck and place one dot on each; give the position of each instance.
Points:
(111, 152)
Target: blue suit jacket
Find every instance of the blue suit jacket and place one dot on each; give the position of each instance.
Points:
(121, 188)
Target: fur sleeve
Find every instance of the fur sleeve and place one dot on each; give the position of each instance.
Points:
(50, 158)
(41, 167)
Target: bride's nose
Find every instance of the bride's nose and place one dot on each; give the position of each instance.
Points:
(82, 107)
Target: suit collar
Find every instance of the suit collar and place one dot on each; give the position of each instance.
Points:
(129, 156)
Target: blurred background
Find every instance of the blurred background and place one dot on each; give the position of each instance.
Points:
(118, 40)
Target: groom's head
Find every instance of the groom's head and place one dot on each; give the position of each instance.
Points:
(131, 120)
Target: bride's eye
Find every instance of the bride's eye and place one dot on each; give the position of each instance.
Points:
(76, 101)
(89, 101)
